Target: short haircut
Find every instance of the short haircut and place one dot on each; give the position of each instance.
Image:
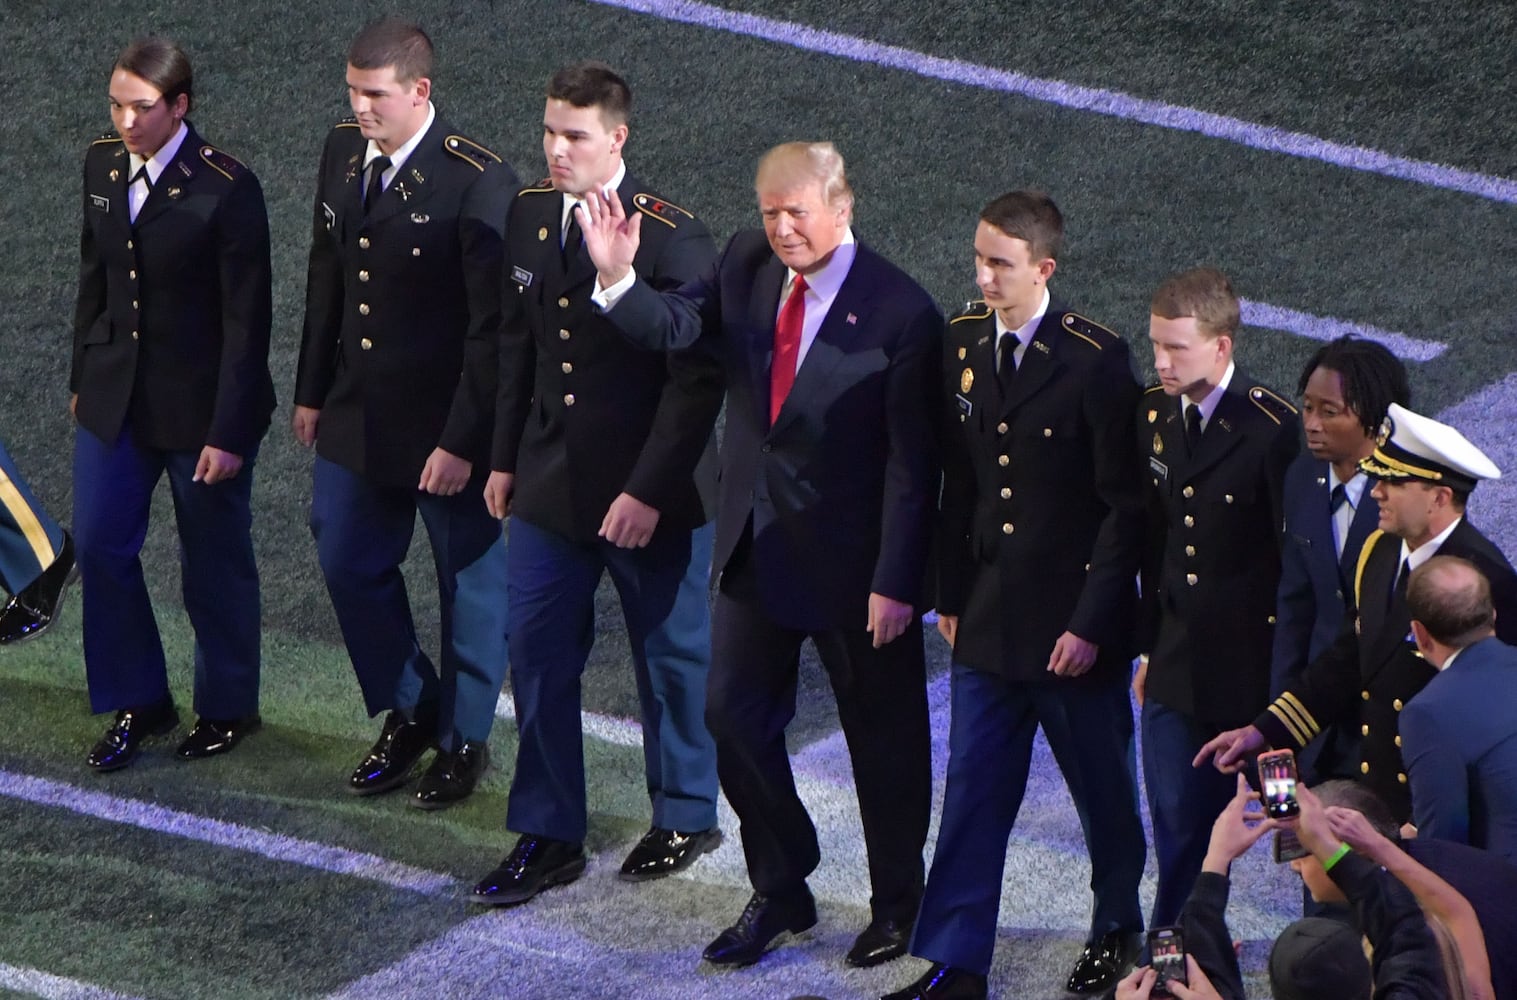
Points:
(393, 42)
(1373, 378)
(1318, 958)
(161, 63)
(592, 84)
(1204, 293)
(1363, 800)
(1452, 600)
(1030, 216)
(792, 165)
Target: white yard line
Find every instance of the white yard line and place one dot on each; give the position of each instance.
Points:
(35, 983)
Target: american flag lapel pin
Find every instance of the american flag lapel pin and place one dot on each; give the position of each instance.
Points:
(852, 319)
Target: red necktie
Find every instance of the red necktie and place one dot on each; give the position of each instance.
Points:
(787, 346)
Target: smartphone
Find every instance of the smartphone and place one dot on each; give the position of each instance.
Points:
(1288, 847)
(1166, 954)
(1277, 776)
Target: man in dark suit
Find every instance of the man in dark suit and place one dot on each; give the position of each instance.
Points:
(396, 391)
(1217, 446)
(1424, 473)
(605, 459)
(1345, 390)
(36, 559)
(1040, 533)
(828, 480)
(1459, 735)
(170, 375)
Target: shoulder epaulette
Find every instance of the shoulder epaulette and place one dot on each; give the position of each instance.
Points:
(469, 151)
(541, 187)
(973, 309)
(1089, 330)
(655, 207)
(225, 165)
(1273, 406)
(1156, 387)
(107, 137)
(1364, 558)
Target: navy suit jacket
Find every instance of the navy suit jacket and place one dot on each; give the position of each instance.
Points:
(1459, 741)
(841, 491)
(1316, 584)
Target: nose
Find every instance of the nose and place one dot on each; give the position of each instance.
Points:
(554, 145)
(128, 119)
(982, 275)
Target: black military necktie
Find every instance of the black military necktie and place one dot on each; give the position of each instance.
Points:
(1192, 426)
(1398, 592)
(147, 182)
(1006, 365)
(1338, 499)
(573, 238)
(377, 168)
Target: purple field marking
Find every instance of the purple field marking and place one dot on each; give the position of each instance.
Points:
(1325, 328)
(1068, 95)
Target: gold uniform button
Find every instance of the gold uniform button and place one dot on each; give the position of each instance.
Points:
(1365, 695)
(416, 251)
(1002, 428)
(567, 367)
(1192, 579)
(363, 308)
(569, 399)
(1190, 550)
(1048, 432)
(1364, 767)
(132, 274)
(1271, 619)
(1396, 704)
(1190, 522)
(1364, 730)
(129, 244)
(1005, 492)
(363, 243)
(1228, 497)
(563, 302)
(134, 334)
(1398, 743)
(366, 343)
(1007, 528)
(1004, 461)
(563, 335)
(363, 275)
(1188, 492)
(134, 303)
(1401, 777)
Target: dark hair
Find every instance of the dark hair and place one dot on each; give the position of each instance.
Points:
(396, 42)
(1452, 600)
(593, 84)
(1204, 293)
(1373, 378)
(1030, 216)
(1363, 800)
(161, 63)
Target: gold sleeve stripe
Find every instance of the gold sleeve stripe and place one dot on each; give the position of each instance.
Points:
(1290, 724)
(1306, 717)
(1364, 558)
(26, 519)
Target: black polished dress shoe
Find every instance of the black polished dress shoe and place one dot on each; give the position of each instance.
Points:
(213, 736)
(30, 612)
(943, 982)
(452, 776)
(392, 758)
(880, 942)
(1104, 961)
(764, 919)
(663, 852)
(534, 864)
(119, 746)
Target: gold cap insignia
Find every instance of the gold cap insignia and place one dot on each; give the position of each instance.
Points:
(966, 380)
(1158, 444)
(1387, 428)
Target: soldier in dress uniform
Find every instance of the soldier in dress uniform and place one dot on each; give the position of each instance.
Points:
(170, 376)
(1040, 533)
(605, 459)
(395, 390)
(1424, 472)
(1217, 445)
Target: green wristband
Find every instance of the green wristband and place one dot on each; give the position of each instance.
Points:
(1337, 856)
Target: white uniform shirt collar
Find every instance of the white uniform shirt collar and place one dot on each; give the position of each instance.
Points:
(159, 161)
(1208, 406)
(1023, 333)
(570, 200)
(399, 157)
(822, 286)
(1416, 557)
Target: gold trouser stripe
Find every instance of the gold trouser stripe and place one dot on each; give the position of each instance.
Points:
(1284, 715)
(26, 519)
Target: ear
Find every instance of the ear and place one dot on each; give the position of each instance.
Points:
(181, 105)
(423, 90)
(618, 137)
(1046, 268)
(1423, 637)
(1225, 345)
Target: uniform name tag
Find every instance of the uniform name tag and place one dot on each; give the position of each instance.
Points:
(331, 216)
(1159, 467)
(965, 406)
(521, 276)
(100, 202)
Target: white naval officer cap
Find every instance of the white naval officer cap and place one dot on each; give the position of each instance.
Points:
(1411, 446)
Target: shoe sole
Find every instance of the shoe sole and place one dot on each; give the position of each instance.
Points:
(559, 876)
(41, 630)
(710, 845)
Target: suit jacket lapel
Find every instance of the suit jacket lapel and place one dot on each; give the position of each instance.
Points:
(839, 330)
